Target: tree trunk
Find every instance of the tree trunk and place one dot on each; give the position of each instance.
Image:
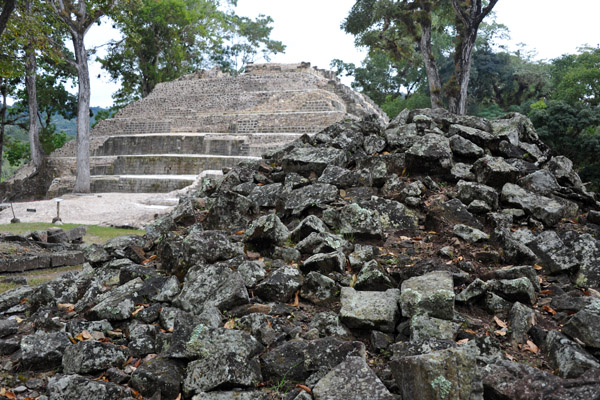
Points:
(457, 101)
(2, 121)
(7, 9)
(30, 81)
(82, 179)
(433, 76)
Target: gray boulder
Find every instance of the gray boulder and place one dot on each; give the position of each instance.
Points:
(568, 357)
(211, 285)
(325, 263)
(316, 195)
(281, 285)
(545, 209)
(209, 247)
(494, 171)
(306, 160)
(158, 376)
(352, 379)
(62, 387)
(585, 325)
(319, 289)
(91, 356)
(423, 327)
(431, 153)
(465, 148)
(266, 231)
(222, 357)
(43, 350)
(431, 294)
(469, 234)
(370, 310)
(471, 191)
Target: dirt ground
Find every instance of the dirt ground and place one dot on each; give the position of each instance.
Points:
(134, 210)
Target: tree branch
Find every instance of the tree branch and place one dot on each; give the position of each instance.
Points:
(9, 6)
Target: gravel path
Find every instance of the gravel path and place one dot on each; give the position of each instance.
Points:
(106, 209)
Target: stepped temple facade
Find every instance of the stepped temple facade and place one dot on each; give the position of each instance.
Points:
(206, 121)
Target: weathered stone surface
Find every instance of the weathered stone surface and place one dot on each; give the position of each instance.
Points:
(142, 339)
(475, 290)
(494, 171)
(585, 325)
(251, 272)
(471, 191)
(223, 357)
(266, 231)
(231, 210)
(519, 289)
(323, 243)
(43, 350)
(91, 356)
(318, 288)
(281, 285)
(325, 263)
(373, 277)
(208, 246)
(355, 220)
(423, 327)
(547, 210)
(465, 148)
(444, 374)
(158, 376)
(307, 226)
(329, 324)
(119, 303)
(211, 285)
(370, 310)
(340, 177)
(478, 136)
(569, 358)
(430, 153)
(449, 213)
(392, 214)
(12, 297)
(351, 379)
(304, 160)
(316, 195)
(234, 395)
(469, 234)
(78, 387)
(521, 319)
(265, 196)
(431, 294)
(286, 360)
(540, 182)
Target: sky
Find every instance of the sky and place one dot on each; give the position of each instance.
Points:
(311, 31)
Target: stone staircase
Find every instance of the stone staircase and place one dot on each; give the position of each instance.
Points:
(207, 121)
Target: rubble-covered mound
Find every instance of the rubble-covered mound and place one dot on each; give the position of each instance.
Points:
(440, 257)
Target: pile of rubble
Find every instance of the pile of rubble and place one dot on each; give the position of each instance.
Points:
(440, 257)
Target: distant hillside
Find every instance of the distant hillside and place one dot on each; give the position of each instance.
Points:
(69, 126)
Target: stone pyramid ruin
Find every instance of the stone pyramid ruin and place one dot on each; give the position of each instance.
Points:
(206, 121)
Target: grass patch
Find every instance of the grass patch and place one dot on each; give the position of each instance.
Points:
(95, 234)
(36, 277)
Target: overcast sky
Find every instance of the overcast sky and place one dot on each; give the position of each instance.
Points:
(311, 31)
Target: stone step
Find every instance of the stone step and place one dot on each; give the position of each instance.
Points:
(139, 183)
(192, 143)
(236, 123)
(162, 164)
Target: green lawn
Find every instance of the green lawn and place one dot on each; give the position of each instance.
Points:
(95, 234)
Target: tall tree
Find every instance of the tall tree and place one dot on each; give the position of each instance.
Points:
(78, 16)
(401, 27)
(162, 40)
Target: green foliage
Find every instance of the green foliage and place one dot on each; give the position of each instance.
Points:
(393, 106)
(574, 131)
(577, 77)
(163, 40)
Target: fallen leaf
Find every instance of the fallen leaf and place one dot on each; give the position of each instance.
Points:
(67, 307)
(462, 341)
(137, 363)
(586, 292)
(10, 395)
(500, 332)
(229, 324)
(548, 291)
(353, 281)
(538, 267)
(240, 232)
(530, 346)
(404, 238)
(137, 310)
(549, 309)
(417, 238)
(296, 299)
(146, 261)
(178, 397)
(24, 300)
(305, 388)
(471, 331)
(511, 358)
(500, 323)
(72, 340)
